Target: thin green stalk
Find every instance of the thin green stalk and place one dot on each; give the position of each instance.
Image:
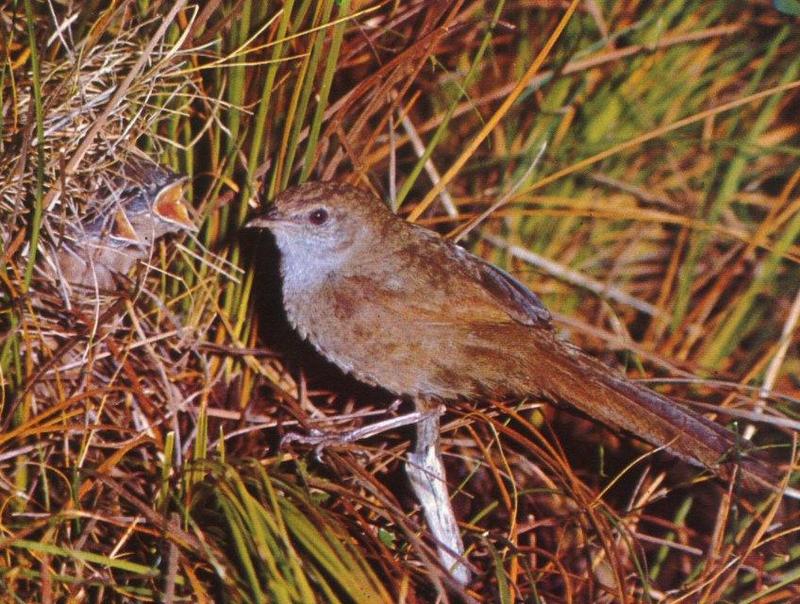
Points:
(323, 16)
(730, 183)
(442, 129)
(325, 89)
(38, 191)
(263, 122)
(766, 274)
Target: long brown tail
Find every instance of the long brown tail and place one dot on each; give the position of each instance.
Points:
(605, 395)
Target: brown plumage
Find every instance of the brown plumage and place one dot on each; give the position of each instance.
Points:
(399, 307)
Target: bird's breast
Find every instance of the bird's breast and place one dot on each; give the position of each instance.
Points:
(384, 342)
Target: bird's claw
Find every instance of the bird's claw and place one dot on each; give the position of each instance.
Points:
(319, 439)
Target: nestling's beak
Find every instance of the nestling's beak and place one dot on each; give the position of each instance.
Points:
(264, 220)
(171, 206)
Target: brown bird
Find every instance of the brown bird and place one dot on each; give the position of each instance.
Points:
(130, 210)
(399, 307)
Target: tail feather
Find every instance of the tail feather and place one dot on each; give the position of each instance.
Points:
(601, 393)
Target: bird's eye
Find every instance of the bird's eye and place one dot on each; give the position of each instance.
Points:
(318, 216)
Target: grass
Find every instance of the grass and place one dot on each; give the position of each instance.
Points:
(140, 458)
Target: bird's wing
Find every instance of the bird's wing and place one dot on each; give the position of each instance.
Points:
(493, 288)
(518, 301)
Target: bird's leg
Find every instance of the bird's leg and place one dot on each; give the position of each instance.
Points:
(426, 473)
(323, 438)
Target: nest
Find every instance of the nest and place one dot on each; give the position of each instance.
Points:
(85, 212)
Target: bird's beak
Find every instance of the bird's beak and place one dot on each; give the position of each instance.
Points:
(264, 220)
(171, 206)
(122, 228)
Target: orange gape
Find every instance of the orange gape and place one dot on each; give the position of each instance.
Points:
(133, 207)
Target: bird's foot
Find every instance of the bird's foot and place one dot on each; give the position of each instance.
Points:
(322, 439)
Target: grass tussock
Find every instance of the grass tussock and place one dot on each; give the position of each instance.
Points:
(636, 164)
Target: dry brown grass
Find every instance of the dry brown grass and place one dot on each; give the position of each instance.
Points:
(140, 454)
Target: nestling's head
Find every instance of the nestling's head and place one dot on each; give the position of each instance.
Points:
(324, 223)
